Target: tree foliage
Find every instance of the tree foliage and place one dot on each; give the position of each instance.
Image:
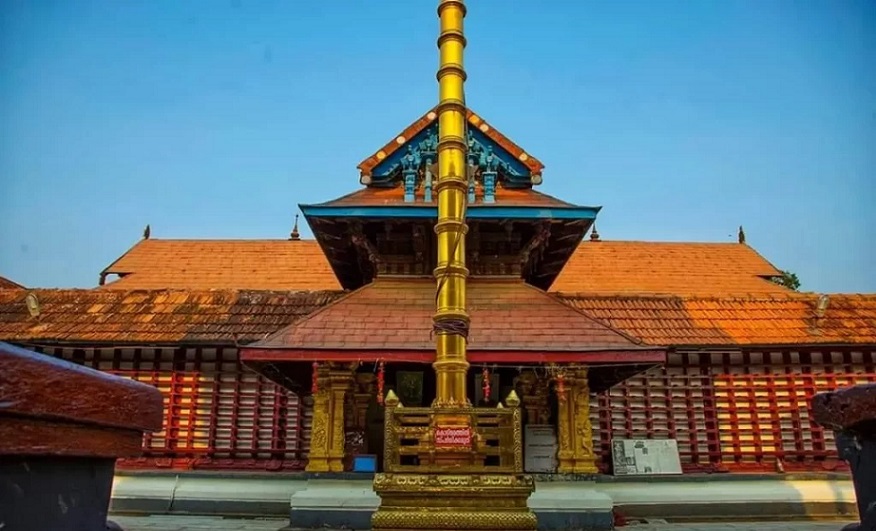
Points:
(789, 280)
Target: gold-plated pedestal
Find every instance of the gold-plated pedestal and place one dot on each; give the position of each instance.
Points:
(431, 486)
(453, 502)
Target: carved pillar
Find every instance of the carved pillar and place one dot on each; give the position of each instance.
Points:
(542, 405)
(565, 428)
(327, 430)
(362, 398)
(576, 454)
(585, 458)
(340, 381)
(320, 428)
(527, 382)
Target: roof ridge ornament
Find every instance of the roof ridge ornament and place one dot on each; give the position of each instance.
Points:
(594, 235)
(741, 235)
(294, 236)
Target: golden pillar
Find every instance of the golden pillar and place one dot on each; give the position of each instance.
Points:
(439, 479)
(320, 425)
(451, 319)
(327, 433)
(575, 455)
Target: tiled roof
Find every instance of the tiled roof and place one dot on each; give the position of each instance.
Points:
(397, 314)
(160, 316)
(766, 320)
(367, 165)
(667, 268)
(605, 267)
(5, 283)
(373, 196)
(223, 264)
(398, 317)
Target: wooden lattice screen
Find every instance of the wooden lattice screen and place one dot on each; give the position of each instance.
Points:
(218, 414)
(734, 411)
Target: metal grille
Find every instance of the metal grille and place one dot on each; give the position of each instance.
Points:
(733, 411)
(218, 414)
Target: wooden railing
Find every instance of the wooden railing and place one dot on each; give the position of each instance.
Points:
(496, 445)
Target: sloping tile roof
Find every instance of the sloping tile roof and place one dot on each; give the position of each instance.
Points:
(160, 316)
(5, 283)
(605, 267)
(367, 165)
(223, 264)
(373, 196)
(397, 314)
(767, 320)
(667, 268)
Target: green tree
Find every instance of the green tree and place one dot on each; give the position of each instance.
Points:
(788, 279)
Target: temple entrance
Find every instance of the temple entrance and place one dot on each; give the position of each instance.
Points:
(414, 384)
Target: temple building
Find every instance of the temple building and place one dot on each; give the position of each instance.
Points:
(275, 355)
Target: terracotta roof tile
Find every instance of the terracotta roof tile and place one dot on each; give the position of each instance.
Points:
(766, 320)
(373, 196)
(5, 283)
(367, 165)
(400, 317)
(605, 267)
(667, 268)
(223, 264)
(161, 316)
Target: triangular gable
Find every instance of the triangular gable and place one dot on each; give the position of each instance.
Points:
(421, 137)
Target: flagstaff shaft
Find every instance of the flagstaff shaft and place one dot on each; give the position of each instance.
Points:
(451, 318)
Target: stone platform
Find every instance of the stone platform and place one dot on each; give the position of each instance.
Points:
(348, 500)
(215, 523)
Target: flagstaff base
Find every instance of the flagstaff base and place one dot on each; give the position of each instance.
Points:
(471, 502)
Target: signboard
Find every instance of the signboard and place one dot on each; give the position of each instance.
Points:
(540, 449)
(649, 457)
(452, 437)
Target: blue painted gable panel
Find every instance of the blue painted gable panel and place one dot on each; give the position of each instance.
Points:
(424, 145)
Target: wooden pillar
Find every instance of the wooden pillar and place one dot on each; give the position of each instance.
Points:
(362, 399)
(575, 454)
(327, 430)
(528, 381)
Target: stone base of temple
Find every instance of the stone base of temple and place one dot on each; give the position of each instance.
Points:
(453, 502)
(348, 501)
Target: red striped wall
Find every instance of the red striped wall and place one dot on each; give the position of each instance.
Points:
(729, 411)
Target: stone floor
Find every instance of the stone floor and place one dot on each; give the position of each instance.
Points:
(204, 523)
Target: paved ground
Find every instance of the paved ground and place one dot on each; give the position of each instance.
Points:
(204, 523)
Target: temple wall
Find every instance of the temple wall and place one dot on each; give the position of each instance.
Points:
(218, 413)
(732, 410)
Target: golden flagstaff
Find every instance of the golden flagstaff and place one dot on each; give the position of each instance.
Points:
(452, 466)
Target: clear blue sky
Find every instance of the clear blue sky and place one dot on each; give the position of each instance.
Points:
(214, 119)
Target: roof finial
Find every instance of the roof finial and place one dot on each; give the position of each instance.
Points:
(294, 236)
(147, 232)
(741, 235)
(594, 235)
